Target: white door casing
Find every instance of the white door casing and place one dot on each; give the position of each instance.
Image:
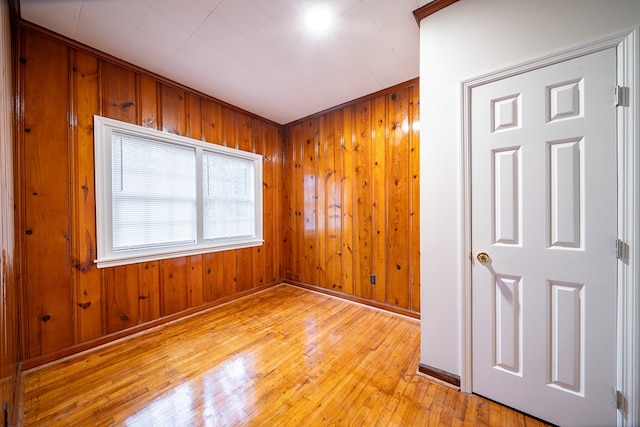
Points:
(543, 149)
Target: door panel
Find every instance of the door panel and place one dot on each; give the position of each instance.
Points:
(544, 207)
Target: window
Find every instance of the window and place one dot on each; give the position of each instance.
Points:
(160, 195)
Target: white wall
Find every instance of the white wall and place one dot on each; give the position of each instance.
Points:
(465, 40)
(6, 143)
(8, 313)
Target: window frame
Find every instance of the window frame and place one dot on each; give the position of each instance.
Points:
(106, 255)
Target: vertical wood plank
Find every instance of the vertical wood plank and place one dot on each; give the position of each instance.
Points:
(174, 284)
(289, 209)
(332, 178)
(47, 199)
(258, 266)
(120, 285)
(379, 202)
(147, 101)
(243, 133)
(299, 201)
(212, 122)
(363, 193)
(196, 296)
(244, 269)
(88, 295)
(195, 128)
(229, 128)
(174, 110)
(414, 198)
(275, 143)
(149, 292)
(229, 259)
(117, 92)
(219, 266)
(214, 272)
(213, 276)
(320, 147)
(308, 203)
(347, 186)
(398, 194)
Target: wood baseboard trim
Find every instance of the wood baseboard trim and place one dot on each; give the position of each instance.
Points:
(439, 374)
(56, 357)
(356, 299)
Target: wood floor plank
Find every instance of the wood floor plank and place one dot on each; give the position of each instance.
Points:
(285, 356)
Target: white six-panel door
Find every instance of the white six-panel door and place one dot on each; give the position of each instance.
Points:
(543, 185)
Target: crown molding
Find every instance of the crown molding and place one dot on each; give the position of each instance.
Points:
(430, 9)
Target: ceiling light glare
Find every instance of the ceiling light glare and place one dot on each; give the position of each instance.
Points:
(318, 18)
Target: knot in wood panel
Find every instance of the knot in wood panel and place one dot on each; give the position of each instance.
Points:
(84, 305)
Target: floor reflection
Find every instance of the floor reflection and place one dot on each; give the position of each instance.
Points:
(173, 409)
(227, 398)
(223, 393)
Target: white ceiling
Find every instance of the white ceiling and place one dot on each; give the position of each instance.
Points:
(254, 54)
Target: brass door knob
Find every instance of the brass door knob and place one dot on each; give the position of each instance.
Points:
(483, 257)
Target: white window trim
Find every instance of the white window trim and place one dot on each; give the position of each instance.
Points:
(103, 128)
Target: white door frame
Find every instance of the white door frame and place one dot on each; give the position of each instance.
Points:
(628, 146)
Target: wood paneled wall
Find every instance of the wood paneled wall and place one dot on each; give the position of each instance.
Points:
(351, 200)
(340, 200)
(69, 304)
(9, 329)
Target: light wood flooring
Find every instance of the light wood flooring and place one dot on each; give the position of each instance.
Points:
(282, 357)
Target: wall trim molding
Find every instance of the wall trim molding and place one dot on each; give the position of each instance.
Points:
(430, 9)
(19, 23)
(39, 361)
(413, 82)
(439, 374)
(355, 299)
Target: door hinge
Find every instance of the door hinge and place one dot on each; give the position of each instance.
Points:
(622, 250)
(619, 400)
(622, 96)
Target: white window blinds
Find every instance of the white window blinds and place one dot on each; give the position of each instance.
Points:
(229, 199)
(154, 193)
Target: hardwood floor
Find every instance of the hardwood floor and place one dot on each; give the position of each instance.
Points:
(285, 356)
